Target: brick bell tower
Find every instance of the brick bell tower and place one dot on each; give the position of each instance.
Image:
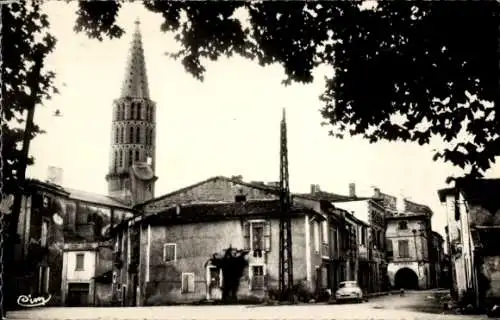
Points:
(131, 176)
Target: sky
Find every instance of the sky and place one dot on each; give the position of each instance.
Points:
(227, 125)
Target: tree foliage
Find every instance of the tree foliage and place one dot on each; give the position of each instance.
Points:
(405, 71)
(25, 40)
(232, 263)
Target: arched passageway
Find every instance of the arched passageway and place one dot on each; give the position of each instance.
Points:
(406, 278)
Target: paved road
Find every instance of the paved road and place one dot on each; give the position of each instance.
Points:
(387, 307)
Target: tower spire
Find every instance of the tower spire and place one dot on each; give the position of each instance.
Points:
(135, 84)
(131, 175)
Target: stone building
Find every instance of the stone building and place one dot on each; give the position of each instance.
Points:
(473, 226)
(372, 269)
(165, 251)
(63, 249)
(409, 239)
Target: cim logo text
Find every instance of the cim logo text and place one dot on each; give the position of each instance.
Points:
(29, 301)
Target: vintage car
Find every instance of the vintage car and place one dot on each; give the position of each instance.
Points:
(349, 291)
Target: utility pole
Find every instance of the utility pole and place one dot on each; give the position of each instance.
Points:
(285, 257)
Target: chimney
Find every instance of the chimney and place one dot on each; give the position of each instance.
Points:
(376, 193)
(400, 203)
(54, 175)
(352, 190)
(315, 188)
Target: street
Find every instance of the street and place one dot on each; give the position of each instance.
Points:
(410, 306)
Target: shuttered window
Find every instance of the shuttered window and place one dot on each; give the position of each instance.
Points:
(187, 285)
(404, 249)
(257, 235)
(169, 252)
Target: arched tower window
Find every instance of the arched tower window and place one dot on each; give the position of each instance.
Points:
(120, 117)
(131, 135)
(116, 160)
(147, 136)
(117, 129)
(139, 112)
(138, 135)
(130, 157)
(123, 135)
(150, 137)
(121, 157)
(147, 112)
(132, 111)
(137, 155)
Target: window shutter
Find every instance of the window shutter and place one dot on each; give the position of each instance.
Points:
(267, 236)
(190, 282)
(184, 283)
(246, 235)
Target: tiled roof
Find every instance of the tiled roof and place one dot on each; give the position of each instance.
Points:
(217, 211)
(263, 187)
(389, 202)
(326, 196)
(95, 198)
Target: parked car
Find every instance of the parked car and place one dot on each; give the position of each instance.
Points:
(349, 291)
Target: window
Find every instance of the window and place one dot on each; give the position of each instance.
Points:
(169, 252)
(132, 111)
(130, 135)
(121, 158)
(257, 278)
(187, 282)
(139, 112)
(44, 233)
(403, 249)
(136, 155)
(80, 259)
(316, 235)
(388, 249)
(363, 235)
(138, 135)
(130, 157)
(403, 225)
(257, 236)
(334, 249)
(116, 159)
(117, 134)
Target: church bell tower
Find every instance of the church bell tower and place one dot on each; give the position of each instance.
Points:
(131, 175)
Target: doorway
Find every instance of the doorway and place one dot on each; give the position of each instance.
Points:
(406, 278)
(78, 295)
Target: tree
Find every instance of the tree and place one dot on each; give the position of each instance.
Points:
(232, 263)
(407, 71)
(25, 84)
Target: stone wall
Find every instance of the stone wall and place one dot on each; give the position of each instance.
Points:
(195, 244)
